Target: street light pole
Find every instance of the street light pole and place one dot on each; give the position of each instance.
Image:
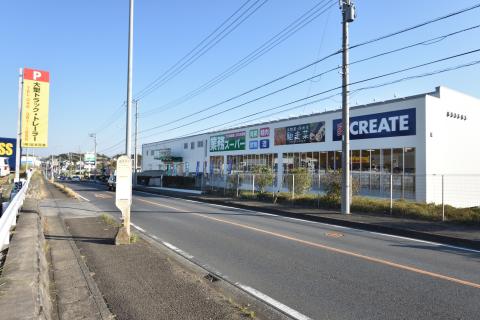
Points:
(348, 15)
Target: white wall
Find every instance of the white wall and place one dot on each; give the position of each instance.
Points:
(453, 149)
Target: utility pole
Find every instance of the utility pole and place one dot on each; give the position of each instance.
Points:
(19, 126)
(348, 15)
(123, 189)
(128, 138)
(135, 160)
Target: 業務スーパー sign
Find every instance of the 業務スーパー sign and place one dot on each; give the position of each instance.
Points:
(228, 142)
(36, 89)
(379, 125)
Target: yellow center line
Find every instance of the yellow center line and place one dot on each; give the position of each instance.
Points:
(325, 247)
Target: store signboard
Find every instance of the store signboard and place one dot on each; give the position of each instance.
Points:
(36, 90)
(228, 142)
(264, 132)
(379, 125)
(253, 144)
(264, 144)
(252, 134)
(303, 133)
(89, 158)
(8, 150)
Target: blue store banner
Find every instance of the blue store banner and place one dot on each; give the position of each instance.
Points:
(8, 150)
(253, 144)
(264, 144)
(379, 125)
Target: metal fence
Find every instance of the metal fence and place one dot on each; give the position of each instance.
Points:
(8, 220)
(454, 190)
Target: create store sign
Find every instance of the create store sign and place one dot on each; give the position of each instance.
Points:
(228, 142)
(379, 125)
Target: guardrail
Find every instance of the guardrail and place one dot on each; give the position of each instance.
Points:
(9, 217)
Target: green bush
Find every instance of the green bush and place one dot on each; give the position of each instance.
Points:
(333, 183)
(264, 177)
(302, 181)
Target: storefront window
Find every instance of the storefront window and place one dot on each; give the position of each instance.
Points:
(331, 160)
(375, 160)
(397, 160)
(410, 160)
(365, 156)
(296, 160)
(338, 160)
(387, 160)
(355, 160)
(323, 161)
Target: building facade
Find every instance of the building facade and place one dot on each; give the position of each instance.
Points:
(409, 143)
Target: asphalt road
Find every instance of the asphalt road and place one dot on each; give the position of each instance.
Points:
(318, 270)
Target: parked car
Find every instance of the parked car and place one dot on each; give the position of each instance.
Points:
(4, 167)
(75, 178)
(112, 182)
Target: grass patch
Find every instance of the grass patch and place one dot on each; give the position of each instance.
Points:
(244, 310)
(109, 220)
(133, 237)
(401, 208)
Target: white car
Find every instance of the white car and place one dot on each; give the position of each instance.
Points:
(4, 167)
(75, 178)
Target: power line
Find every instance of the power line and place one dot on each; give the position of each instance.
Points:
(332, 89)
(212, 82)
(424, 42)
(175, 70)
(280, 37)
(458, 67)
(335, 88)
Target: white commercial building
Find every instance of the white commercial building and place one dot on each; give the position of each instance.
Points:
(416, 142)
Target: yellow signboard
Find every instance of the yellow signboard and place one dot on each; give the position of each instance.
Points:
(36, 86)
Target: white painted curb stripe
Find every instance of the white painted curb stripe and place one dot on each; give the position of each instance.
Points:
(183, 253)
(280, 306)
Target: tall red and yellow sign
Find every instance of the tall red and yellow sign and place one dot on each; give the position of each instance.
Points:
(36, 86)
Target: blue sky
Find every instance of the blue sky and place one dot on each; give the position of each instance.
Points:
(84, 46)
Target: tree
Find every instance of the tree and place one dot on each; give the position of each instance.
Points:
(264, 177)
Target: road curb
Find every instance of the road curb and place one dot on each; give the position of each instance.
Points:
(442, 239)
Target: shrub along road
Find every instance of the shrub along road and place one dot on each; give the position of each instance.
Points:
(321, 271)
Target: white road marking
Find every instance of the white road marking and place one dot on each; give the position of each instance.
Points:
(280, 306)
(78, 194)
(138, 228)
(180, 251)
(324, 224)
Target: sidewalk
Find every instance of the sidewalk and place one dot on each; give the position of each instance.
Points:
(442, 232)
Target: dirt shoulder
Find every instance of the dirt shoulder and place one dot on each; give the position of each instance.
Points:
(139, 281)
